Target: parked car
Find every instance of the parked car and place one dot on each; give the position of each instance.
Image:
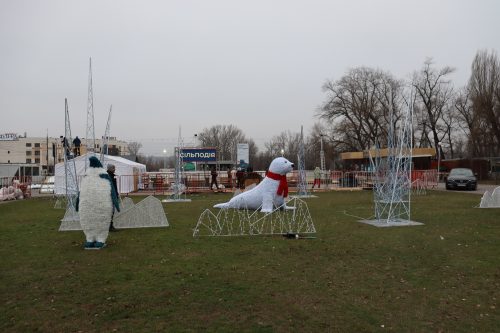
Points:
(461, 178)
(47, 185)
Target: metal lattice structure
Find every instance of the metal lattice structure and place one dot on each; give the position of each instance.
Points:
(178, 187)
(90, 129)
(302, 177)
(392, 176)
(105, 139)
(491, 200)
(147, 213)
(301, 161)
(245, 222)
(70, 178)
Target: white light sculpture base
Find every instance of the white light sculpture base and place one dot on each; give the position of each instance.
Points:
(391, 223)
(61, 202)
(491, 200)
(244, 222)
(176, 200)
(148, 213)
(303, 196)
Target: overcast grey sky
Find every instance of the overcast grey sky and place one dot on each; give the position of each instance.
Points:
(256, 64)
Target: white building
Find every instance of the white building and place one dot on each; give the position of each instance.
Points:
(34, 156)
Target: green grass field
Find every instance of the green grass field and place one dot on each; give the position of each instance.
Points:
(443, 276)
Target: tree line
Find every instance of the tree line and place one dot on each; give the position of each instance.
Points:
(462, 122)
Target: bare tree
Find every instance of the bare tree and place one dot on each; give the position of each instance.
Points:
(134, 147)
(434, 95)
(358, 107)
(484, 86)
(225, 138)
(287, 142)
(322, 131)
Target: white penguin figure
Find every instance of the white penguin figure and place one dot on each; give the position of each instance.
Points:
(95, 204)
(269, 193)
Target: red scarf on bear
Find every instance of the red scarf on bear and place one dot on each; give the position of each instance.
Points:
(283, 186)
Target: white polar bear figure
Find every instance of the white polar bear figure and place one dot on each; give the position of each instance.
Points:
(95, 204)
(269, 193)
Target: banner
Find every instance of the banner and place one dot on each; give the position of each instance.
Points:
(199, 154)
(242, 153)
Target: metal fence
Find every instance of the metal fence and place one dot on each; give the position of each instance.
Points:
(161, 182)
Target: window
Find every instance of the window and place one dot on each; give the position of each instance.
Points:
(37, 145)
(37, 153)
(37, 160)
(28, 144)
(28, 160)
(28, 152)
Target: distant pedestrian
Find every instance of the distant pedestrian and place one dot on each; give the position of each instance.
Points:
(240, 178)
(77, 143)
(213, 173)
(317, 177)
(233, 177)
(66, 147)
(229, 178)
(111, 172)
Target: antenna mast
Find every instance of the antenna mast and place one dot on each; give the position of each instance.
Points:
(90, 132)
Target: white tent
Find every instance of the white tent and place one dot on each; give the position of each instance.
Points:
(128, 173)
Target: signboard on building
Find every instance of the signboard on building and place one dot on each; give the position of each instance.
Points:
(242, 153)
(199, 154)
(8, 137)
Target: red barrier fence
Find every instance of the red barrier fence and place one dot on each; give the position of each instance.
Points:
(161, 182)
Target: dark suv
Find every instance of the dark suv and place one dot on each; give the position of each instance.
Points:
(461, 178)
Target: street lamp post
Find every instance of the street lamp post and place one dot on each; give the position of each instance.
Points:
(439, 160)
(165, 159)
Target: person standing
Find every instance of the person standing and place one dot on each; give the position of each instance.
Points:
(233, 177)
(77, 143)
(111, 172)
(213, 173)
(317, 177)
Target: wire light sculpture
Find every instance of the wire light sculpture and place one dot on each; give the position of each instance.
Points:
(178, 187)
(71, 219)
(245, 222)
(392, 174)
(302, 177)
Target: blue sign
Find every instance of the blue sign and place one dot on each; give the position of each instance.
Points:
(199, 154)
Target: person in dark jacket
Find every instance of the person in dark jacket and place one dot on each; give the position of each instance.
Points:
(77, 143)
(111, 172)
(213, 173)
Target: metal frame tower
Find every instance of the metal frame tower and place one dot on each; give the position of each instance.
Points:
(301, 161)
(90, 129)
(71, 181)
(179, 189)
(392, 186)
(105, 139)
